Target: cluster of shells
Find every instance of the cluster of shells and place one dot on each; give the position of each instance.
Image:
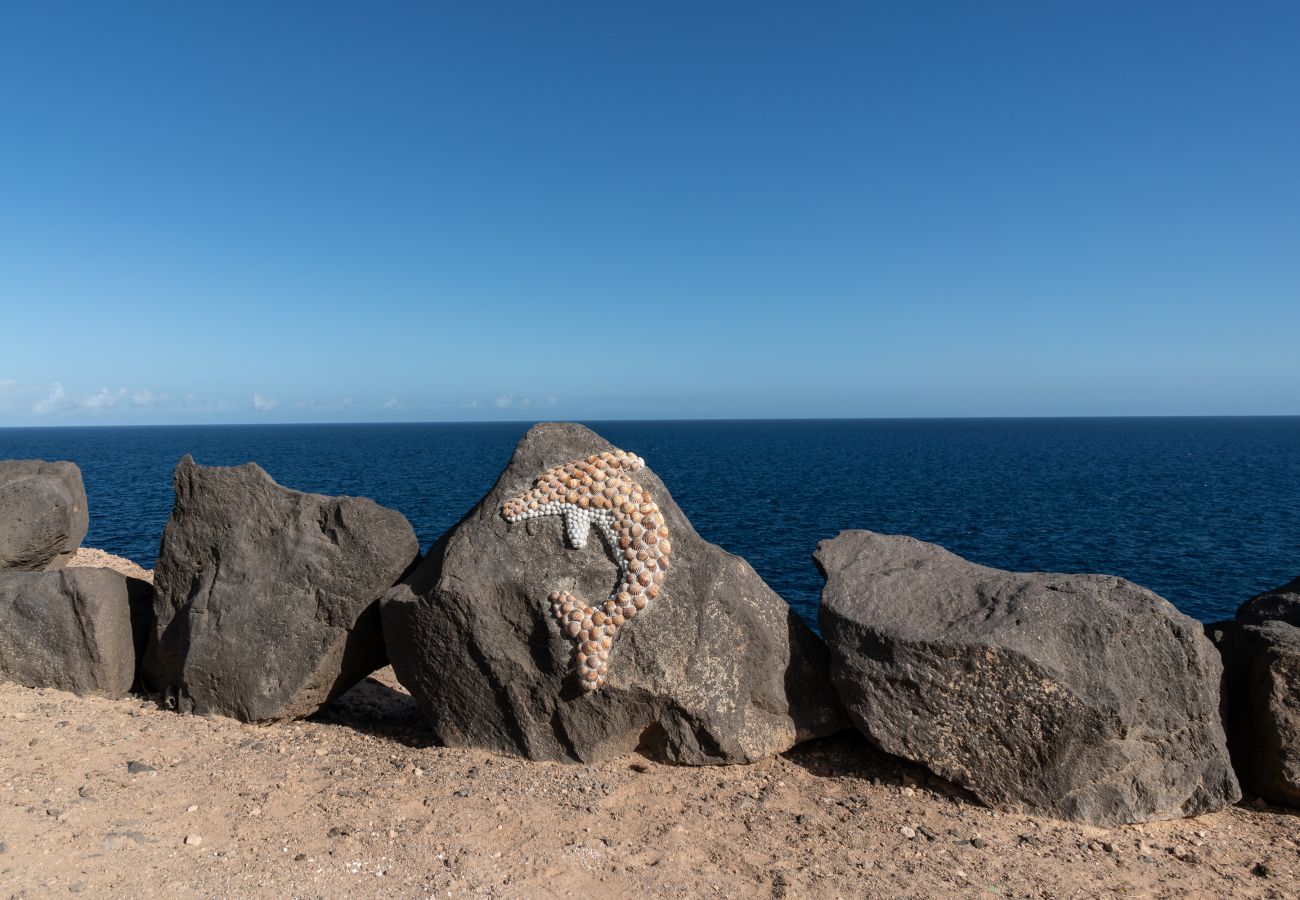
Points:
(597, 491)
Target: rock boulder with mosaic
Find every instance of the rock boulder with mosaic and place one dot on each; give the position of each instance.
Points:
(523, 633)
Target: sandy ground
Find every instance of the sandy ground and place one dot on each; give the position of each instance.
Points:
(120, 798)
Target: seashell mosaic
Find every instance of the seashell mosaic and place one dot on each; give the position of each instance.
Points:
(597, 491)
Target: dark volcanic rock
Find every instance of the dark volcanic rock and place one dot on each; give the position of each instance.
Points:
(717, 669)
(1278, 605)
(1081, 696)
(266, 598)
(69, 630)
(43, 514)
(1261, 661)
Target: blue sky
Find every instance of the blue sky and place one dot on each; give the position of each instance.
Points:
(244, 212)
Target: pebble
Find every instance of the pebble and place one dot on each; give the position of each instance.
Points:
(978, 843)
(907, 832)
(1147, 858)
(463, 792)
(929, 835)
(4, 848)
(1261, 870)
(193, 807)
(193, 840)
(85, 790)
(135, 767)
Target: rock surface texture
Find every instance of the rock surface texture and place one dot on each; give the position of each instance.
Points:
(69, 630)
(1085, 697)
(718, 669)
(43, 515)
(266, 598)
(1261, 658)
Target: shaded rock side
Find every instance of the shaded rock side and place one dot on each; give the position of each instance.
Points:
(718, 669)
(1085, 697)
(43, 514)
(69, 629)
(265, 598)
(1261, 660)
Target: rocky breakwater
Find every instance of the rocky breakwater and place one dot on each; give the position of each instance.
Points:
(1261, 660)
(66, 628)
(575, 614)
(1084, 697)
(266, 598)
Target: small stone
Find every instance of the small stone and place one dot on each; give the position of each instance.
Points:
(978, 843)
(193, 807)
(463, 792)
(1108, 847)
(4, 848)
(926, 833)
(338, 831)
(1261, 870)
(1147, 858)
(907, 832)
(299, 857)
(193, 840)
(85, 790)
(908, 792)
(77, 887)
(53, 811)
(134, 767)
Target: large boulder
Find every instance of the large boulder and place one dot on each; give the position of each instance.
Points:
(43, 516)
(1261, 659)
(1084, 697)
(69, 629)
(511, 639)
(266, 599)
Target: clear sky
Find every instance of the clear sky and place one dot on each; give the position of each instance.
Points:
(241, 212)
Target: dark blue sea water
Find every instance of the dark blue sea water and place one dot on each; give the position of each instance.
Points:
(1204, 511)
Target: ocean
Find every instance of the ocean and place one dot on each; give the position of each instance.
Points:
(1204, 511)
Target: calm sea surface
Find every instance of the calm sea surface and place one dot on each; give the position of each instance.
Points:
(1204, 511)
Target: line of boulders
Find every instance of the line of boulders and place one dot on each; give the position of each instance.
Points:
(1084, 697)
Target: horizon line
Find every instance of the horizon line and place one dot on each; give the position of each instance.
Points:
(669, 420)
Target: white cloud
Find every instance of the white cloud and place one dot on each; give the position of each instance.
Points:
(264, 404)
(322, 405)
(146, 398)
(105, 399)
(390, 403)
(54, 401)
(508, 401)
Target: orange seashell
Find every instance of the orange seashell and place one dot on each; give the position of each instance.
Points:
(598, 618)
(650, 538)
(617, 619)
(624, 598)
(664, 547)
(584, 502)
(639, 602)
(652, 591)
(663, 531)
(644, 578)
(658, 577)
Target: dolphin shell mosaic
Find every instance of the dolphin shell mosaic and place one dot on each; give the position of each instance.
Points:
(597, 491)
